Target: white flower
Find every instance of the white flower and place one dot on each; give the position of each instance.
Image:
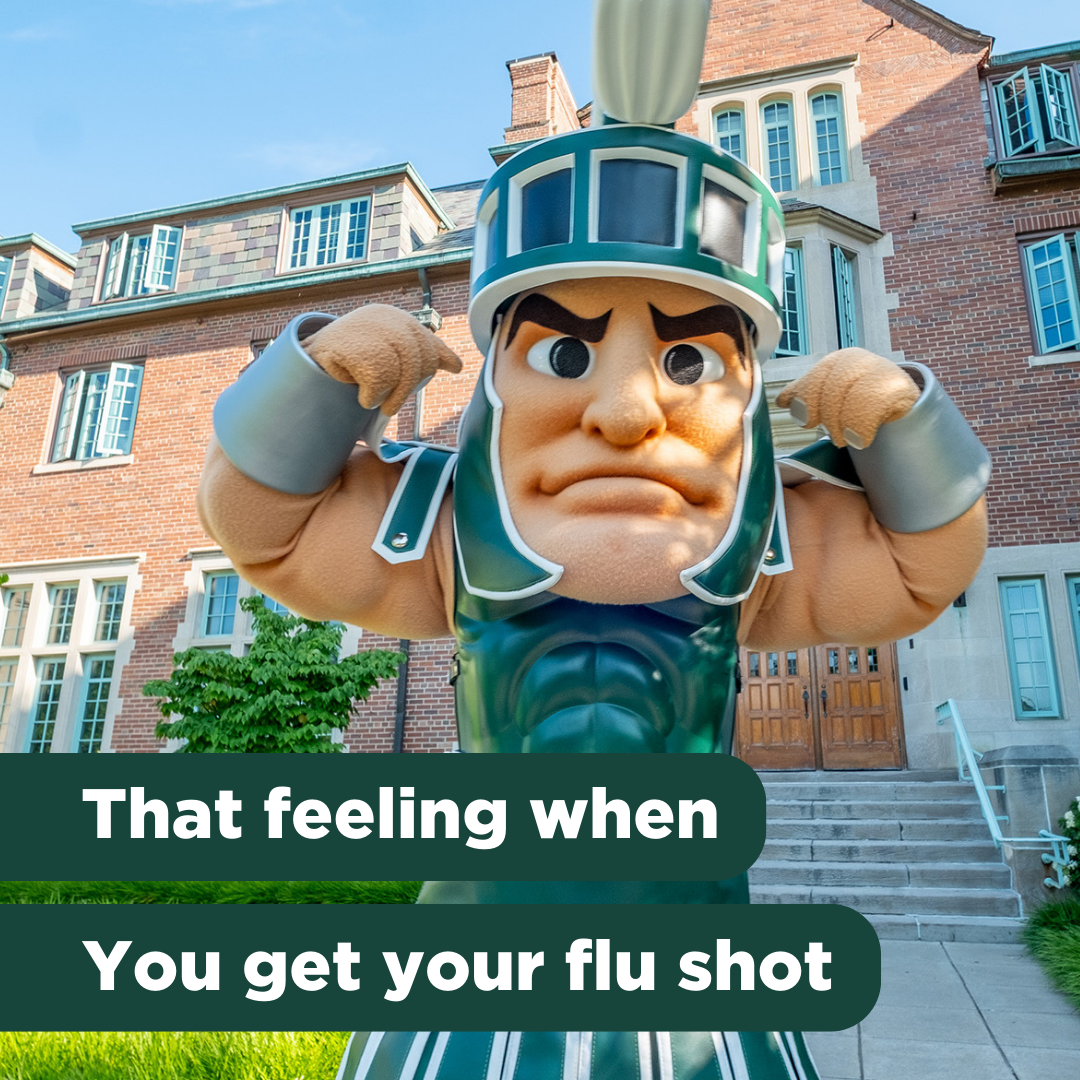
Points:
(1072, 850)
(1070, 818)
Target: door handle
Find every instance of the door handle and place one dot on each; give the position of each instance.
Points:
(806, 703)
(824, 700)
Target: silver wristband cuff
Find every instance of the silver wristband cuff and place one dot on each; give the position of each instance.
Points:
(927, 468)
(286, 423)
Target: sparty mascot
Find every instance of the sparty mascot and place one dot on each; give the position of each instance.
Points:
(613, 524)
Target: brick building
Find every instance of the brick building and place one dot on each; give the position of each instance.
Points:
(932, 193)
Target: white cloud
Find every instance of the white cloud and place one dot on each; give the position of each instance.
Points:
(34, 33)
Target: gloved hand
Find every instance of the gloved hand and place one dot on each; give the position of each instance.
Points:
(851, 393)
(382, 349)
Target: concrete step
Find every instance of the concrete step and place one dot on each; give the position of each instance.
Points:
(896, 901)
(860, 776)
(874, 829)
(881, 875)
(880, 851)
(891, 791)
(987, 930)
(895, 809)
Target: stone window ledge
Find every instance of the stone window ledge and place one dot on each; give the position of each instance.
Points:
(79, 466)
(1054, 359)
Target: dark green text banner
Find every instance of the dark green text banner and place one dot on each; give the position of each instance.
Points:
(378, 817)
(456, 968)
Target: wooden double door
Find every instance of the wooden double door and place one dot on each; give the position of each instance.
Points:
(832, 707)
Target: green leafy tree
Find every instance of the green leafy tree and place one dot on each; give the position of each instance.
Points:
(285, 697)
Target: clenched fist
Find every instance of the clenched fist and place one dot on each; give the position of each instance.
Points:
(851, 393)
(382, 349)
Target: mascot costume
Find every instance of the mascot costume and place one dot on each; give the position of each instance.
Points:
(613, 524)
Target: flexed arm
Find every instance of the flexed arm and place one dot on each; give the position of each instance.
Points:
(292, 500)
(876, 565)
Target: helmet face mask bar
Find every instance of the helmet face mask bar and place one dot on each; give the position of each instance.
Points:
(629, 200)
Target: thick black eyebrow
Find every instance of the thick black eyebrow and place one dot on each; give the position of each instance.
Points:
(543, 311)
(720, 319)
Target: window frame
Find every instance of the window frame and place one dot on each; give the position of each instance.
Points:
(341, 226)
(730, 109)
(1041, 85)
(7, 264)
(837, 94)
(75, 426)
(795, 251)
(19, 730)
(1072, 593)
(846, 296)
(793, 146)
(1071, 243)
(162, 245)
(1042, 612)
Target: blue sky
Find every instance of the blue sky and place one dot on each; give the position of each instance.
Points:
(117, 106)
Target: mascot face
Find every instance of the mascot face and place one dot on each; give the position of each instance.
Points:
(622, 431)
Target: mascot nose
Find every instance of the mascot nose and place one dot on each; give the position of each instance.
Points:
(626, 409)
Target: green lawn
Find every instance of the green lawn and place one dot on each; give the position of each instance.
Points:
(1053, 935)
(170, 1055)
(180, 1055)
(208, 892)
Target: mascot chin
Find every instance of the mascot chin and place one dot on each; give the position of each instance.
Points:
(613, 524)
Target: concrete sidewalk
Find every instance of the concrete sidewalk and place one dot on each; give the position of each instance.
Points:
(956, 1011)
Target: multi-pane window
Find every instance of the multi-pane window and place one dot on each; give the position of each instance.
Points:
(8, 670)
(1027, 640)
(110, 600)
(1051, 269)
(141, 264)
(62, 600)
(779, 145)
(46, 705)
(219, 603)
(793, 340)
(97, 413)
(64, 642)
(1036, 111)
(1073, 586)
(95, 703)
(847, 322)
(730, 125)
(332, 233)
(827, 125)
(16, 606)
(5, 274)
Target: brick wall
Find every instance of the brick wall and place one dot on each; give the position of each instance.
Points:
(149, 506)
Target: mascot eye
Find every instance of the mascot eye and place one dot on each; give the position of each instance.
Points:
(566, 357)
(686, 364)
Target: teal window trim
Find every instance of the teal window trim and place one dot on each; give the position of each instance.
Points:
(1036, 111)
(6, 264)
(329, 234)
(62, 601)
(1029, 647)
(729, 132)
(97, 682)
(1050, 271)
(1072, 585)
(9, 670)
(830, 138)
(97, 413)
(220, 604)
(16, 608)
(794, 339)
(50, 677)
(778, 145)
(847, 318)
(110, 601)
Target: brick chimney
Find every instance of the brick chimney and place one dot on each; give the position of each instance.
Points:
(542, 101)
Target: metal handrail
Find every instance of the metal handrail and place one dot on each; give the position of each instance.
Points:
(967, 762)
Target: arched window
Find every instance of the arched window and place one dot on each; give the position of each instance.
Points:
(730, 126)
(779, 145)
(830, 149)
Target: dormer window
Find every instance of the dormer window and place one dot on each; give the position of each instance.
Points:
(141, 263)
(331, 233)
(1036, 111)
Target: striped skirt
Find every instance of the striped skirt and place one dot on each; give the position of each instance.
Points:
(577, 1055)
